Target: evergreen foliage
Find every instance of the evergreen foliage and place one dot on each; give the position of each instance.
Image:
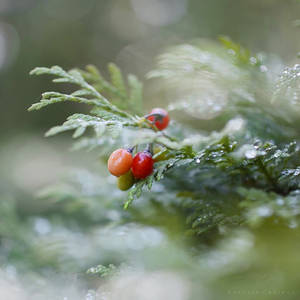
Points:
(217, 186)
(263, 162)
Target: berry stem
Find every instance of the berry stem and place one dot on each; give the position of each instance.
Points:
(150, 148)
(131, 149)
(151, 125)
(157, 117)
(169, 137)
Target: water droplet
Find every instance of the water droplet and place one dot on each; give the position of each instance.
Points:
(264, 211)
(263, 68)
(297, 172)
(42, 226)
(277, 154)
(293, 224)
(253, 60)
(280, 201)
(197, 161)
(91, 295)
(231, 51)
(251, 153)
(11, 271)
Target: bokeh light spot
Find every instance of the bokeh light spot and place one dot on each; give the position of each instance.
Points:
(159, 12)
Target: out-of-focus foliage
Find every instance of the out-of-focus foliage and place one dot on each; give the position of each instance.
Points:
(222, 193)
(237, 73)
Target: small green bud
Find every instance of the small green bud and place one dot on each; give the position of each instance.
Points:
(126, 181)
(160, 154)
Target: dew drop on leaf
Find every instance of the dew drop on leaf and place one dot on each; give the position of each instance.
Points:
(251, 153)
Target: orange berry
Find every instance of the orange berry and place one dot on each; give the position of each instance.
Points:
(119, 162)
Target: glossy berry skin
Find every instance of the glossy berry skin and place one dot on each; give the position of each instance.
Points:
(161, 122)
(126, 181)
(119, 162)
(142, 165)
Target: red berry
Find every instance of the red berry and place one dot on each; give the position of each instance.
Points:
(119, 162)
(142, 165)
(160, 118)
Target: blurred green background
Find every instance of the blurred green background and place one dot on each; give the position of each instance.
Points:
(73, 33)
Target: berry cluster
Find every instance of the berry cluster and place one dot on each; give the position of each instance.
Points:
(129, 168)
